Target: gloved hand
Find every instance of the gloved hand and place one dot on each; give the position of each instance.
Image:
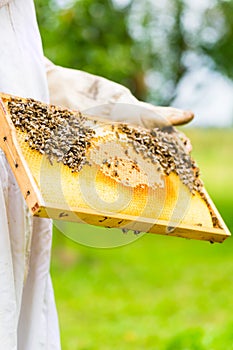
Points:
(92, 94)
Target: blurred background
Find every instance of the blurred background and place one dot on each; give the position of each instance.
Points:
(159, 292)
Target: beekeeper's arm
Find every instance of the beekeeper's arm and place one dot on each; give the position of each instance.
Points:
(75, 89)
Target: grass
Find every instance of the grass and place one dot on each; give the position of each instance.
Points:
(159, 292)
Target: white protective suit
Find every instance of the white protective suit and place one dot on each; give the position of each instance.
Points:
(28, 318)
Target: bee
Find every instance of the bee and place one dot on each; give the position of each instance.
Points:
(124, 230)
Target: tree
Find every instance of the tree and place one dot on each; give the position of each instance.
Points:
(92, 36)
(147, 45)
(217, 36)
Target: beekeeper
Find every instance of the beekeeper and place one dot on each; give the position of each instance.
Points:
(28, 317)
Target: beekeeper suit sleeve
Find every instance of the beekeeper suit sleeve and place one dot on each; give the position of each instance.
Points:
(28, 318)
(76, 89)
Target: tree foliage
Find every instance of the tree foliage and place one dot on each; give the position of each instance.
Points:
(217, 36)
(146, 45)
(92, 36)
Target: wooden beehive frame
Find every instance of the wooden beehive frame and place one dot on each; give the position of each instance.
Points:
(38, 207)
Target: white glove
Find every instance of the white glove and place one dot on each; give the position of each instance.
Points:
(75, 89)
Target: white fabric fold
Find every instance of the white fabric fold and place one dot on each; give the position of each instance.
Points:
(28, 318)
(4, 2)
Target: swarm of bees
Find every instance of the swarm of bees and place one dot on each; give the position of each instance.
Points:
(166, 149)
(58, 133)
(65, 136)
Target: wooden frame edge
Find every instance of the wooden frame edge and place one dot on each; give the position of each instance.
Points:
(17, 162)
(141, 224)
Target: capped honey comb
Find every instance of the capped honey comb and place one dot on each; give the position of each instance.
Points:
(75, 167)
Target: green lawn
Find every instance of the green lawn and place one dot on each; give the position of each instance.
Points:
(159, 292)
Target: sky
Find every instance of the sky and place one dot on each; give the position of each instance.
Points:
(209, 95)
